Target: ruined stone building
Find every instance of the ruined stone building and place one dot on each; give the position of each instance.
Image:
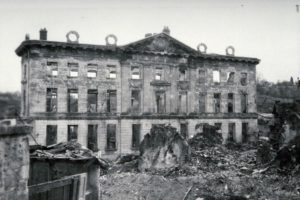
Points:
(109, 96)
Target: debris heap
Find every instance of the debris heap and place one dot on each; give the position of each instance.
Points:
(71, 150)
(163, 148)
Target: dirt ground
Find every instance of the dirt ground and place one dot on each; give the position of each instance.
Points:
(213, 173)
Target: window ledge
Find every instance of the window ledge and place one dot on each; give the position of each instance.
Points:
(160, 83)
(108, 149)
(51, 111)
(135, 148)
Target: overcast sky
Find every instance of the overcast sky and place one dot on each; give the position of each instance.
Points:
(268, 30)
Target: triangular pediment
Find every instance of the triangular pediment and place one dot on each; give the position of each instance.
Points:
(160, 43)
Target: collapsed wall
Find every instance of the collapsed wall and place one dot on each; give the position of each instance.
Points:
(163, 147)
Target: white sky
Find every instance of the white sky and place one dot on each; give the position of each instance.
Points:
(268, 30)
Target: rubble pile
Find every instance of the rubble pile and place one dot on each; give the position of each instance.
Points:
(264, 151)
(214, 170)
(288, 156)
(209, 137)
(163, 148)
(223, 185)
(124, 163)
(71, 150)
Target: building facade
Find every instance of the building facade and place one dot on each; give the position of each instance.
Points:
(109, 96)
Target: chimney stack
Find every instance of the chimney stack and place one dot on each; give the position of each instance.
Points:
(43, 34)
(27, 37)
(166, 30)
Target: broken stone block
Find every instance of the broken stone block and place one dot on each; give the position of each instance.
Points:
(163, 147)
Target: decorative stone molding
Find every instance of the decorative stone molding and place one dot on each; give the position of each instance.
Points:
(111, 36)
(230, 51)
(69, 36)
(183, 85)
(202, 46)
(160, 83)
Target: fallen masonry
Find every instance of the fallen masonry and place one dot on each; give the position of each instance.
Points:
(213, 171)
(163, 148)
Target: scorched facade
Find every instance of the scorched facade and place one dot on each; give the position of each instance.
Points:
(108, 96)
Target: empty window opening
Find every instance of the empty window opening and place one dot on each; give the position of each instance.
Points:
(112, 73)
(217, 102)
(243, 78)
(92, 101)
(218, 127)
(158, 74)
(72, 132)
(202, 102)
(92, 73)
(53, 68)
(51, 100)
(136, 132)
(74, 73)
(111, 101)
(230, 103)
(111, 142)
(72, 100)
(230, 77)
(216, 76)
(25, 72)
(135, 73)
(135, 101)
(199, 127)
(201, 76)
(92, 137)
(54, 72)
(160, 98)
(244, 103)
(73, 69)
(231, 132)
(184, 130)
(182, 74)
(244, 132)
(51, 135)
(183, 102)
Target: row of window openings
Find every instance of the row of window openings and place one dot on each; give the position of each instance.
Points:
(230, 103)
(74, 70)
(230, 77)
(136, 74)
(160, 100)
(111, 100)
(232, 131)
(92, 136)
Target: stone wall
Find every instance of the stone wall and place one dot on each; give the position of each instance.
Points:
(38, 80)
(171, 72)
(14, 162)
(124, 130)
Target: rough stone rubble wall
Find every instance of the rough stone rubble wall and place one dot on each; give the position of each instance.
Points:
(14, 162)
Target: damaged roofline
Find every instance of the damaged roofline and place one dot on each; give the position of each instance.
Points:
(29, 43)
